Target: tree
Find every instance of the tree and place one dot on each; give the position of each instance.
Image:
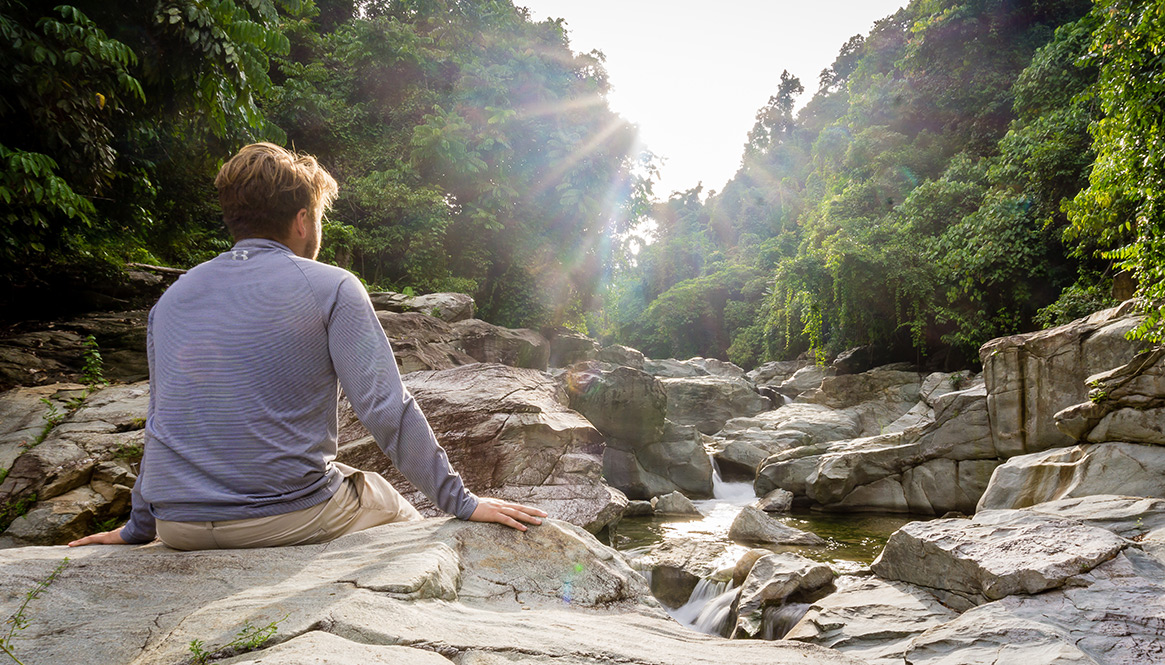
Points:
(1123, 207)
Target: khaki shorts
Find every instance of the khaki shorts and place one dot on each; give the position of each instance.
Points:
(364, 500)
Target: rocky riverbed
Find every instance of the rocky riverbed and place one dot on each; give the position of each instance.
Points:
(1029, 499)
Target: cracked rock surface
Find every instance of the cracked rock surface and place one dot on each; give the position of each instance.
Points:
(416, 592)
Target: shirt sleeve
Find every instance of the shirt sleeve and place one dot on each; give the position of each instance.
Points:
(141, 526)
(368, 373)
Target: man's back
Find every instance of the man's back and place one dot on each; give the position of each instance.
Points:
(243, 417)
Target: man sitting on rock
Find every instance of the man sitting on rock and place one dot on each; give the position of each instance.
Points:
(245, 353)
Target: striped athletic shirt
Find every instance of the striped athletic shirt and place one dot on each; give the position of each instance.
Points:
(246, 352)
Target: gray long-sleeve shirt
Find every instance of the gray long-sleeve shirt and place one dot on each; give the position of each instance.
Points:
(245, 352)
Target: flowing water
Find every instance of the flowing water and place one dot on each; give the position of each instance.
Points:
(852, 542)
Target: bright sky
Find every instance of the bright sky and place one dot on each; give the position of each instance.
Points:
(692, 74)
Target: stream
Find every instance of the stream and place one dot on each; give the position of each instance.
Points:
(853, 541)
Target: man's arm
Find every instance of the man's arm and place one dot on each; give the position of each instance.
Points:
(368, 373)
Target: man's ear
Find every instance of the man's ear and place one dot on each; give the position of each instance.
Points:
(300, 228)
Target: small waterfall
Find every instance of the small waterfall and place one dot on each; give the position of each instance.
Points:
(739, 493)
(708, 608)
(776, 621)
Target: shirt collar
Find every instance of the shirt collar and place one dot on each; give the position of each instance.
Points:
(262, 243)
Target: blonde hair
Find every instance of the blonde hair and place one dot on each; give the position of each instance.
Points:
(263, 187)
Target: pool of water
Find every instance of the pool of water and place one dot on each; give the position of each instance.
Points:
(852, 540)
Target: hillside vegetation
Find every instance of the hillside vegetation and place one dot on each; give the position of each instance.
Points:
(968, 169)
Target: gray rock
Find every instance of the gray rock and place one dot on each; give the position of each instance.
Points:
(776, 501)
(493, 344)
(933, 469)
(638, 508)
(773, 580)
(753, 525)
(980, 561)
(871, 619)
(78, 458)
(670, 368)
(1113, 615)
(774, 373)
(568, 347)
(1084, 470)
(617, 354)
(22, 416)
(714, 367)
(1125, 404)
(707, 402)
(449, 307)
(803, 380)
(623, 403)
(676, 566)
(509, 434)
(674, 504)
(1032, 377)
(417, 584)
(678, 462)
(421, 342)
(321, 648)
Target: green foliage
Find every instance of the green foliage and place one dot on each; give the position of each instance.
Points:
(114, 117)
(249, 638)
(52, 417)
(92, 374)
(1123, 208)
(19, 620)
(474, 151)
(1089, 294)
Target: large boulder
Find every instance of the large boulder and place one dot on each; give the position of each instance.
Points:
(623, 403)
(1067, 596)
(678, 462)
(400, 593)
(707, 402)
(422, 342)
(931, 469)
(753, 525)
(878, 397)
(448, 307)
(1125, 404)
(1109, 615)
(1032, 377)
(683, 369)
(645, 456)
(617, 354)
(872, 619)
(488, 343)
(509, 433)
(773, 580)
(804, 379)
(674, 503)
(995, 555)
(1084, 470)
(568, 347)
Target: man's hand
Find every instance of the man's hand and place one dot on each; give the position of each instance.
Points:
(107, 538)
(504, 512)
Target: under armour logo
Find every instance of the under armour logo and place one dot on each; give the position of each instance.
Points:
(239, 254)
